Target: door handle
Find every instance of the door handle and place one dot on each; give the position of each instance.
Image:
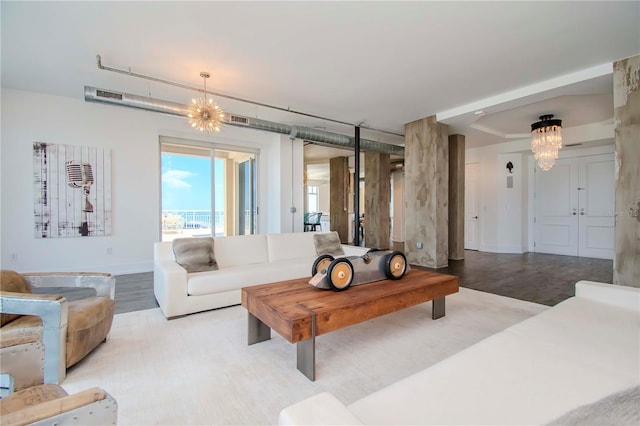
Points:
(573, 212)
(582, 212)
(475, 217)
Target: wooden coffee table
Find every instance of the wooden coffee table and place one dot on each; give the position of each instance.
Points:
(299, 312)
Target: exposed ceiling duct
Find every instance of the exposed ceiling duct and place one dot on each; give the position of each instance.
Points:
(316, 136)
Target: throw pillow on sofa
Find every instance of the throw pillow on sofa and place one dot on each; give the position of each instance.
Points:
(328, 244)
(195, 254)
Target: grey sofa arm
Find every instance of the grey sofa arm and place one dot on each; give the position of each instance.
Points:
(53, 310)
(103, 283)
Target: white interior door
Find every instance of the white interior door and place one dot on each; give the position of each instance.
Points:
(471, 207)
(575, 207)
(556, 218)
(596, 206)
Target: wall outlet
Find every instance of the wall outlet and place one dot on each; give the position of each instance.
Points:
(14, 257)
(419, 245)
(109, 250)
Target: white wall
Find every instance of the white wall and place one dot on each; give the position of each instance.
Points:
(133, 138)
(292, 183)
(511, 204)
(506, 214)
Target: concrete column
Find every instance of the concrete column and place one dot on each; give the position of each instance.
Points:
(338, 196)
(626, 102)
(377, 195)
(426, 193)
(456, 197)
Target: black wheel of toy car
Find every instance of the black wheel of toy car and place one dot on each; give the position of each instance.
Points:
(395, 265)
(322, 262)
(340, 274)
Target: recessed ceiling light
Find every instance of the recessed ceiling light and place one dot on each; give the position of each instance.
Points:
(479, 112)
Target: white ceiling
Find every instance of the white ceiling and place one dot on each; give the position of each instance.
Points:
(383, 64)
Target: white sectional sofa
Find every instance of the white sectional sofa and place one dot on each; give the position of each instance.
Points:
(575, 363)
(242, 261)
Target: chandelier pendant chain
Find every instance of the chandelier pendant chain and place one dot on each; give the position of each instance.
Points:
(205, 76)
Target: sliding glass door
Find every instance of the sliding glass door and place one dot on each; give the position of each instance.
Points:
(206, 190)
(246, 196)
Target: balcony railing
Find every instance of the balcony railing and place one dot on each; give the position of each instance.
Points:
(195, 222)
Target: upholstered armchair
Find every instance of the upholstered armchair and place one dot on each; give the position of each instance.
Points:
(51, 405)
(41, 335)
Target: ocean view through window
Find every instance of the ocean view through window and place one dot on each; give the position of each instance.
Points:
(206, 191)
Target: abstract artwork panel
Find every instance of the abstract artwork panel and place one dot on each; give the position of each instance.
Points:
(72, 190)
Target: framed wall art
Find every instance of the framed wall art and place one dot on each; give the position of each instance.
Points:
(72, 190)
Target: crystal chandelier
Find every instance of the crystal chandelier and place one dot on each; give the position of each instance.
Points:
(546, 141)
(203, 114)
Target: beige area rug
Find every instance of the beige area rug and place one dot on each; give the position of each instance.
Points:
(199, 369)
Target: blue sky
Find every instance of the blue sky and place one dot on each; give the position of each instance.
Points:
(186, 183)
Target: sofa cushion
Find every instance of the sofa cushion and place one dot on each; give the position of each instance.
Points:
(195, 254)
(236, 277)
(296, 245)
(13, 282)
(241, 250)
(328, 243)
(224, 279)
(289, 270)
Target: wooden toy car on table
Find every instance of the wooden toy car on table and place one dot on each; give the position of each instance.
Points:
(340, 273)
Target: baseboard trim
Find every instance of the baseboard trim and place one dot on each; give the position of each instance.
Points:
(502, 249)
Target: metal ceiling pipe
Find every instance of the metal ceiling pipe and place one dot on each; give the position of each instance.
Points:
(110, 97)
(184, 86)
(315, 136)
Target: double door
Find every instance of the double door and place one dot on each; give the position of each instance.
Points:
(574, 208)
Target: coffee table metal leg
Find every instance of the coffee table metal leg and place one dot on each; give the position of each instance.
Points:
(258, 331)
(307, 358)
(437, 309)
(306, 353)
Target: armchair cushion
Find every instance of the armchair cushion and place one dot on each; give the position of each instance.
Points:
(13, 282)
(29, 397)
(89, 322)
(195, 254)
(26, 329)
(50, 404)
